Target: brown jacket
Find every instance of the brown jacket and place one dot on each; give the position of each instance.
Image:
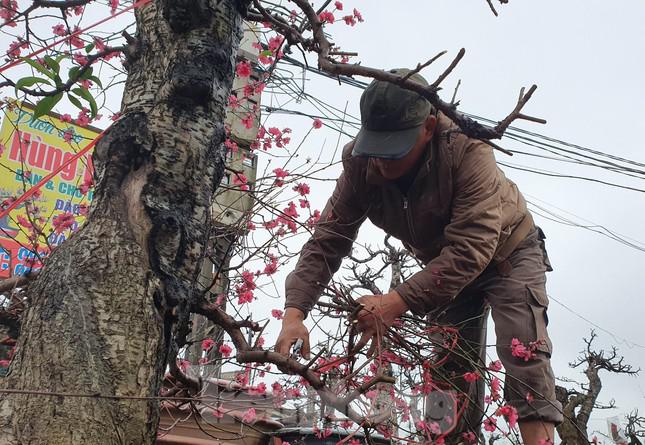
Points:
(460, 214)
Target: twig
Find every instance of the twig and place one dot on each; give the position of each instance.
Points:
(448, 70)
(492, 8)
(422, 66)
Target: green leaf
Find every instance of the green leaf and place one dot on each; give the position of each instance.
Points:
(87, 73)
(82, 92)
(96, 80)
(45, 105)
(38, 67)
(27, 82)
(52, 64)
(77, 103)
(73, 73)
(89, 47)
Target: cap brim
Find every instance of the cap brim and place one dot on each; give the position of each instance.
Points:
(385, 144)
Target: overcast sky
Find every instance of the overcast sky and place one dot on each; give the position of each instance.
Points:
(586, 56)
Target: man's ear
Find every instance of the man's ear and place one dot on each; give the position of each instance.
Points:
(430, 124)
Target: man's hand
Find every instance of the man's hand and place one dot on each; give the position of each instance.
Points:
(378, 314)
(293, 328)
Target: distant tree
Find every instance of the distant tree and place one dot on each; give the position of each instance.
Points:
(635, 428)
(579, 402)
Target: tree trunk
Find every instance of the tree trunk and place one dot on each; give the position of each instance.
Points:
(101, 315)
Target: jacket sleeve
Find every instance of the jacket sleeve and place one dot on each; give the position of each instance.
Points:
(332, 240)
(471, 235)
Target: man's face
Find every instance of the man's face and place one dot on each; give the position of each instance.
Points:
(392, 169)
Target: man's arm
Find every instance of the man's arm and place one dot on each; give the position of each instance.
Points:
(332, 240)
(472, 234)
(321, 256)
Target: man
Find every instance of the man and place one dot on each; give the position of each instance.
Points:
(416, 176)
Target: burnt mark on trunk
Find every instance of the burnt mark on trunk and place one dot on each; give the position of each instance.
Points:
(186, 15)
(125, 147)
(194, 74)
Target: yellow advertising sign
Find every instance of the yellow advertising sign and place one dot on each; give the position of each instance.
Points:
(31, 149)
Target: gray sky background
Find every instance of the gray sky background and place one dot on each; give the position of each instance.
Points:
(587, 59)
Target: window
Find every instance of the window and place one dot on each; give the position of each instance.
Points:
(249, 159)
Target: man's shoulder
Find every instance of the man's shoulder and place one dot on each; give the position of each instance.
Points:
(453, 144)
(351, 162)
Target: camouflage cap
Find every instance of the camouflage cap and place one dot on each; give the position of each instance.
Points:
(391, 117)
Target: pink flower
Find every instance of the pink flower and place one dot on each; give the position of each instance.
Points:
(358, 15)
(241, 180)
(275, 43)
(317, 123)
(272, 266)
(66, 118)
(518, 349)
(86, 185)
(258, 390)
(290, 210)
(249, 416)
(207, 344)
(311, 222)
(80, 59)
(243, 69)
(225, 350)
(510, 413)
(231, 146)
(302, 188)
(349, 20)
(280, 174)
(326, 17)
(277, 314)
(233, 102)
(495, 366)
(469, 437)
(59, 30)
(471, 377)
(183, 364)
(248, 120)
(68, 135)
(490, 424)
(113, 5)
(218, 412)
(245, 297)
(63, 222)
(338, 6)
(82, 120)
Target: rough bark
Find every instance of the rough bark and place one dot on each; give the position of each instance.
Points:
(102, 314)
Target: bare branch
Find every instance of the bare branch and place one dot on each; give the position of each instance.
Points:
(492, 8)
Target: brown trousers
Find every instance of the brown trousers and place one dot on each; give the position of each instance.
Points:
(515, 292)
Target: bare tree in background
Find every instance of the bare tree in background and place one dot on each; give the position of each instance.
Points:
(635, 428)
(579, 402)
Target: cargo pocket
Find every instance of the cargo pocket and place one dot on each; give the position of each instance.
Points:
(538, 304)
